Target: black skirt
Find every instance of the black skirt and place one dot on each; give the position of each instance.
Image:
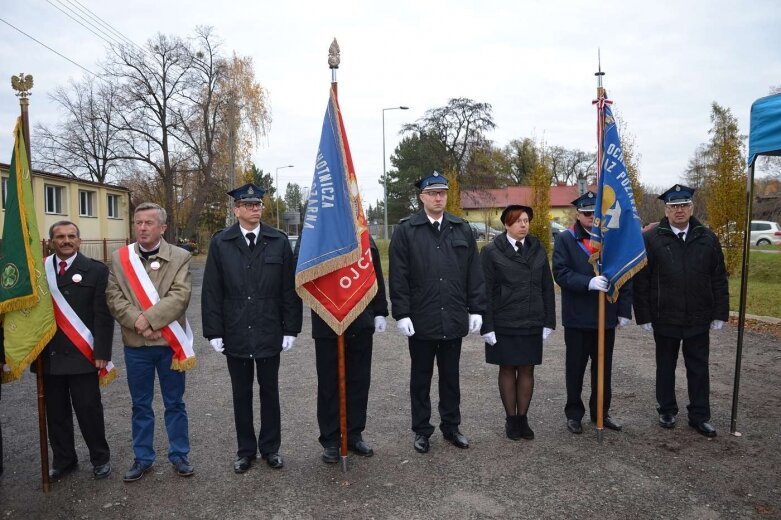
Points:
(515, 350)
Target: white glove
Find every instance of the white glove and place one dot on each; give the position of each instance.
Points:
(489, 337)
(475, 322)
(647, 327)
(405, 327)
(217, 344)
(379, 324)
(716, 325)
(598, 283)
(623, 322)
(287, 342)
(546, 332)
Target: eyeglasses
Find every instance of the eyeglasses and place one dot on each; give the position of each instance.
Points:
(685, 205)
(587, 213)
(251, 205)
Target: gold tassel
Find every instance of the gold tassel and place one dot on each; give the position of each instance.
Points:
(17, 370)
(108, 378)
(184, 364)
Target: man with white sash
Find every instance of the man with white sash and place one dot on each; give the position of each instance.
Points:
(148, 293)
(78, 358)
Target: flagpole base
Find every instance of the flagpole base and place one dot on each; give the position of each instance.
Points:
(344, 464)
(600, 434)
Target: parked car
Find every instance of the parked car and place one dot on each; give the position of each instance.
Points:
(483, 232)
(765, 232)
(555, 229)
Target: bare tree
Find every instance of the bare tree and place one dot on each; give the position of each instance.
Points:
(84, 143)
(152, 83)
(567, 165)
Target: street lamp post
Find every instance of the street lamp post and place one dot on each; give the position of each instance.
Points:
(384, 173)
(276, 184)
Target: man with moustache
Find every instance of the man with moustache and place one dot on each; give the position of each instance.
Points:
(79, 354)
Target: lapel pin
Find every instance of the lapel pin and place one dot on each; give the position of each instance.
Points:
(76, 278)
(155, 265)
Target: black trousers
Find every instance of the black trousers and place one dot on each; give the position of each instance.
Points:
(695, 355)
(358, 368)
(242, 372)
(448, 355)
(581, 345)
(82, 392)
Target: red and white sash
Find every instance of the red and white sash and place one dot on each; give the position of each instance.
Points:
(72, 326)
(179, 339)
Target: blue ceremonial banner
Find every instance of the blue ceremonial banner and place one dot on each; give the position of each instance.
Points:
(335, 275)
(616, 234)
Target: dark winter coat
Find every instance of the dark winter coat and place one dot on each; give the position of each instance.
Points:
(365, 321)
(87, 298)
(572, 271)
(435, 277)
(684, 285)
(249, 298)
(519, 288)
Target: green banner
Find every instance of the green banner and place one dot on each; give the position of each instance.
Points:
(25, 301)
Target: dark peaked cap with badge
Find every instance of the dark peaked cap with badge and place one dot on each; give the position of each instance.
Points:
(435, 181)
(247, 193)
(586, 202)
(678, 194)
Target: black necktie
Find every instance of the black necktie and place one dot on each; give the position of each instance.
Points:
(436, 226)
(682, 236)
(251, 238)
(519, 245)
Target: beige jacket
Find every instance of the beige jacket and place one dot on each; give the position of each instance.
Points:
(173, 284)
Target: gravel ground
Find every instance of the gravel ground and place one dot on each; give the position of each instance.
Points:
(642, 472)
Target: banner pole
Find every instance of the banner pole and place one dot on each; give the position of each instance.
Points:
(601, 314)
(24, 103)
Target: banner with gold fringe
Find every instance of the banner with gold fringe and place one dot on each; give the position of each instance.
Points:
(25, 301)
(334, 273)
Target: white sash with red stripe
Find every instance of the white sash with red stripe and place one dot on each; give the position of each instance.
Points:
(179, 339)
(72, 326)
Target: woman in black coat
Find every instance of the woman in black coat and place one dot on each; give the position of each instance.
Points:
(521, 313)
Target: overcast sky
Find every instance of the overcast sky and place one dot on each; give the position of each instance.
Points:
(534, 62)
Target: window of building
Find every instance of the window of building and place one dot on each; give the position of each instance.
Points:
(86, 203)
(113, 206)
(53, 199)
(5, 190)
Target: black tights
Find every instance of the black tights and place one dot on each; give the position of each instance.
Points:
(516, 386)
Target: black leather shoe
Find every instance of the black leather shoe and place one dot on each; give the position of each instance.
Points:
(57, 473)
(421, 444)
(360, 448)
(611, 424)
(704, 428)
(523, 428)
(242, 464)
(330, 455)
(667, 420)
(457, 439)
(511, 428)
(136, 471)
(102, 471)
(574, 426)
(274, 460)
(183, 467)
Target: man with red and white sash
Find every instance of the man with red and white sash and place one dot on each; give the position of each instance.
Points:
(79, 354)
(148, 293)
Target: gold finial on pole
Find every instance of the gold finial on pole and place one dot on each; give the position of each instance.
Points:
(333, 55)
(22, 85)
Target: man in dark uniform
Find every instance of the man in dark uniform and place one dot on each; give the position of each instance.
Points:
(681, 295)
(69, 376)
(579, 315)
(251, 313)
(358, 364)
(437, 291)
